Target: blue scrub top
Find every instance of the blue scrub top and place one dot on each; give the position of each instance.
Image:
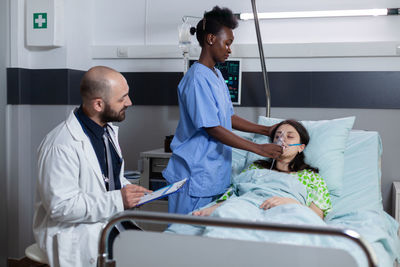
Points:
(204, 101)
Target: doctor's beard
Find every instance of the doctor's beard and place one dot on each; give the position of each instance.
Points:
(110, 115)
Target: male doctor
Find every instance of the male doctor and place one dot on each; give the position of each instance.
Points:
(80, 182)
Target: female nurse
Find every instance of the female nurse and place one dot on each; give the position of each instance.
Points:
(203, 139)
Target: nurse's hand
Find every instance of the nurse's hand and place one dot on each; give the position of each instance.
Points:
(270, 150)
(131, 194)
(271, 129)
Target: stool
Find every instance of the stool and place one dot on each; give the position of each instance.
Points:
(34, 253)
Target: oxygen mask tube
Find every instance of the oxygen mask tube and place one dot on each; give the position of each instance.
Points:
(279, 142)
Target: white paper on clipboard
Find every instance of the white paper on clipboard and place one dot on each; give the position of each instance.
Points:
(162, 192)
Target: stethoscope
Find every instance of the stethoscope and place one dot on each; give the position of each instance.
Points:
(106, 179)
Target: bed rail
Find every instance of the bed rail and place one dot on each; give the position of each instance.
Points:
(160, 217)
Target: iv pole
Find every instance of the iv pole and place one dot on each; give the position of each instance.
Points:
(262, 60)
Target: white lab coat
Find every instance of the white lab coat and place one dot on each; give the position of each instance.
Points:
(72, 202)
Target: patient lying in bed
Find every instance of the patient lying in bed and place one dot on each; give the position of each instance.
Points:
(294, 138)
(290, 193)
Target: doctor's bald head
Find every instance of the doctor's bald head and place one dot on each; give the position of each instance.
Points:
(96, 83)
(104, 93)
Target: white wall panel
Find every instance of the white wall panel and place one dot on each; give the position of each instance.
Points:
(79, 22)
(142, 65)
(163, 17)
(309, 5)
(321, 30)
(119, 21)
(19, 56)
(4, 59)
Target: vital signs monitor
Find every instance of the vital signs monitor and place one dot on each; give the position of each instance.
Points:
(231, 71)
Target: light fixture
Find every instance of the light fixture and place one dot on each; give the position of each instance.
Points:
(322, 14)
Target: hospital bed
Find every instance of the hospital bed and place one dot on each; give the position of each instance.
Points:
(375, 235)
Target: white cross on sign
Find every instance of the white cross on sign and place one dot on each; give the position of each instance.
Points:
(40, 21)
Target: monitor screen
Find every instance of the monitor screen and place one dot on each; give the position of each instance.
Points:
(232, 74)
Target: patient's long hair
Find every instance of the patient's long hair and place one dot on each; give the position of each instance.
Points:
(297, 164)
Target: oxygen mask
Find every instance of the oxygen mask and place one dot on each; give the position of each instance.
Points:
(280, 142)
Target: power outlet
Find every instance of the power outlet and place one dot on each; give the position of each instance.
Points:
(122, 52)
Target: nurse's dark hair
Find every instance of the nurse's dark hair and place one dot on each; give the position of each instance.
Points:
(95, 83)
(212, 22)
(297, 164)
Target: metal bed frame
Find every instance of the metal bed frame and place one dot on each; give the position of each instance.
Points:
(104, 260)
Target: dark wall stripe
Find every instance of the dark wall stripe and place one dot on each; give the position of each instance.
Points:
(371, 90)
(43, 86)
(148, 88)
(74, 81)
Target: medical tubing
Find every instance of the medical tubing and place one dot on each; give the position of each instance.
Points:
(185, 62)
(279, 143)
(262, 60)
(162, 217)
(272, 164)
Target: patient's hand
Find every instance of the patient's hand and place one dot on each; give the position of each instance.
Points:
(206, 211)
(276, 201)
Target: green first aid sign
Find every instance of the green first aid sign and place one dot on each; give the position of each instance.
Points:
(40, 20)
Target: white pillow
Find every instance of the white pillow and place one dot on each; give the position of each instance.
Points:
(361, 174)
(325, 150)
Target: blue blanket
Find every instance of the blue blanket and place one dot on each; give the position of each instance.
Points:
(252, 188)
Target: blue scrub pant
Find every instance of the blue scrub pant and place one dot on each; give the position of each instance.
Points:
(183, 203)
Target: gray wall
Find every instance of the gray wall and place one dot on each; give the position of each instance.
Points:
(3, 98)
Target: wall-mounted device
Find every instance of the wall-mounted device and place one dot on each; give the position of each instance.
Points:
(44, 23)
(231, 71)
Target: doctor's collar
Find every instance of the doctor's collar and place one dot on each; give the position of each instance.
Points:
(89, 124)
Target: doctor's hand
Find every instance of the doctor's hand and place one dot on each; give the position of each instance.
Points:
(131, 195)
(276, 201)
(270, 150)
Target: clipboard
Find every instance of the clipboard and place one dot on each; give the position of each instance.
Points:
(162, 192)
